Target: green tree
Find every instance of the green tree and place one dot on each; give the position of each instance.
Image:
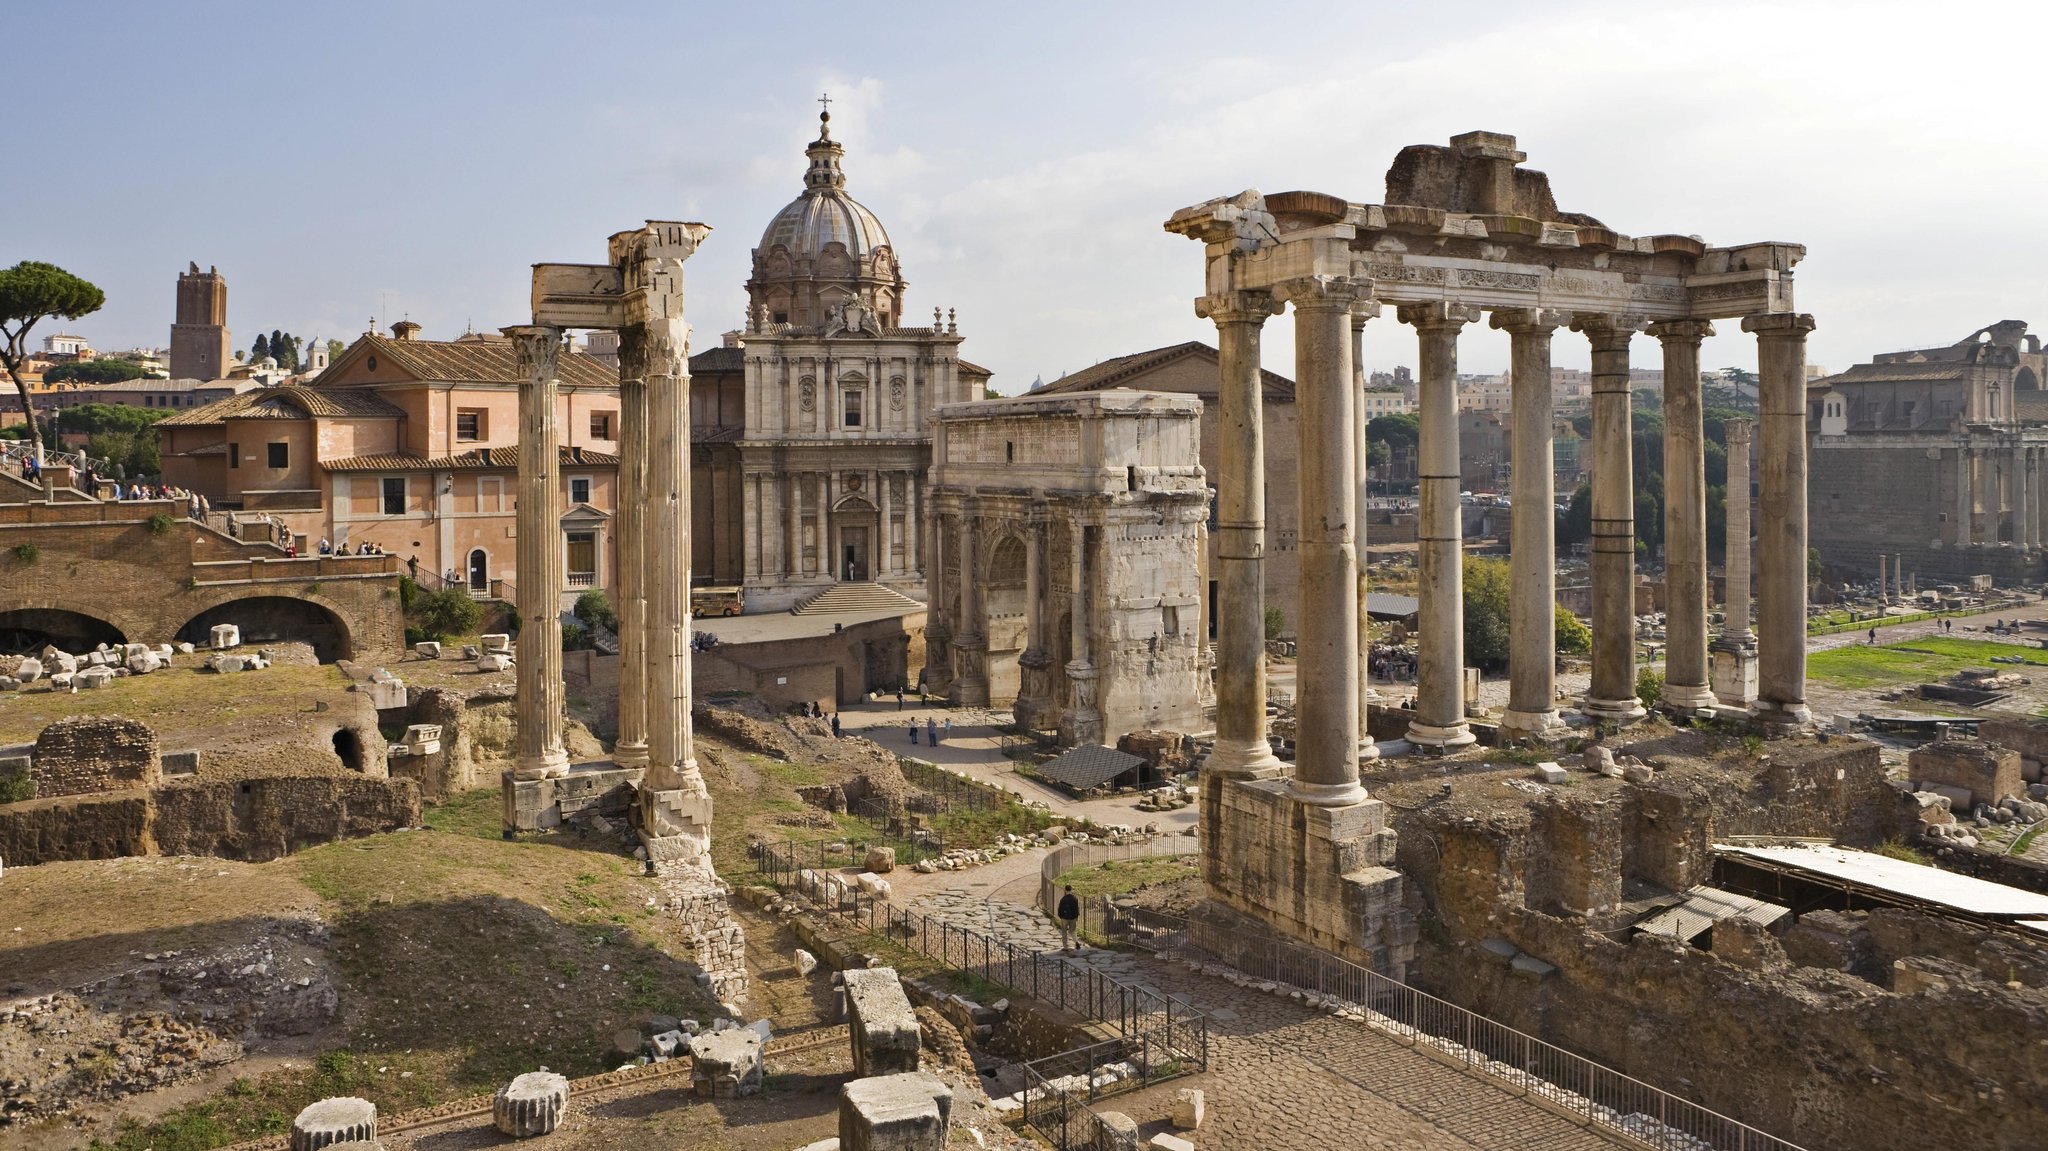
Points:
(447, 612)
(595, 609)
(259, 349)
(1573, 637)
(31, 292)
(288, 354)
(92, 418)
(1400, 429)
(334, 350)
(1577, 527)
(1276, 622)
(111, 370)
(1650, 686)
(1487, 586)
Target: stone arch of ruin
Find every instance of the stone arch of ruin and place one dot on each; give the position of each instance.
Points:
(276, 619)
(25, 630)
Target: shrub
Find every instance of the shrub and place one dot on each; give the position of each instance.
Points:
(1573, 637)
(575, 636)
(1649, 686)
(594, 608)
(447, 612)
(16, 785)
(408, 592)
(160, 523)
(1276, 622)
(27, 553)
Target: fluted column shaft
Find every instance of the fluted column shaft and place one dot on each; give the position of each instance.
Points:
(1686, 683)
(1613, 692)
(1532, 563)
(970, 631)
(539, 698)
(1326, 713)
(1735, 596)
(1082, 724)
(1361, 453)
(1781, 515)
(631, 748)
(2022, 532)
(1241, 747)
(1965, 505)
(1440, 681)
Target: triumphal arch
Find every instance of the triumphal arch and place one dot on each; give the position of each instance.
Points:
(1465, 232)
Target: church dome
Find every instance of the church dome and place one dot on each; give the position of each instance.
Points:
(824, 252)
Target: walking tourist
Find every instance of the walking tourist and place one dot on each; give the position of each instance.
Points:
(1070, 916)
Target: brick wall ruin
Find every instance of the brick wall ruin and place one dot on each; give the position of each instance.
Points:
(87, 754)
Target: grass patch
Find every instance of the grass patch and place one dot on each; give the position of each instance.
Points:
(1120, 877)
(180, 704)
(1898, 849)
(1927, 660)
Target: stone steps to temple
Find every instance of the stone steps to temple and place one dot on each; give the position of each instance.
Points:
(852, 598)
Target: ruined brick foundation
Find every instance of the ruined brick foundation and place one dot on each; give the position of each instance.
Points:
(700, 901)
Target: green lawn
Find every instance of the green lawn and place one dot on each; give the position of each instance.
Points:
(1118, 877)
(1927, 660)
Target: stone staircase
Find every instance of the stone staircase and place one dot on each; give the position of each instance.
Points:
(853, 598)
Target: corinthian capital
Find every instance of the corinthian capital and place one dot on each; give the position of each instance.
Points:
(1686, 331)
(1437, 315)
(536, 349)
(1237, 307)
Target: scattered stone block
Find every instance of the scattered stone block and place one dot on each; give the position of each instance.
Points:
(423, 738)
(427, 649)
(1125, 1127)
(883, 1027)
(881, 860)
(185, 648)
(1166, 1142)
(496, 642)
(386, 691)
(627, 1042)
(164, 652)
(59, 663)
(908, 1112)
(61, 681)
(1598, 758)
(31, 669)
(179, 762)
(227, 663)
(1638, 773)
(142, 663)
(1551, 773)
(344, 1119)
(725, 1064)
(668, 1044)
(1530, 967)
(93, 678)
(531, 1104)
(1189, 1108)
(872, 885)
(225, 636)
(805, 962)
(494, 661)
(1498, 950)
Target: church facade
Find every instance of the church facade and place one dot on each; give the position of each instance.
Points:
(823, 467)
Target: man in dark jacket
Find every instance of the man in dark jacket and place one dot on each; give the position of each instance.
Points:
(1070, 915)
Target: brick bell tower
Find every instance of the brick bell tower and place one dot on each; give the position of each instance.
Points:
(199, 336)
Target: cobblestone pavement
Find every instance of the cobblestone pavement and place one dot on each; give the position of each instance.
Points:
(1282, 1076)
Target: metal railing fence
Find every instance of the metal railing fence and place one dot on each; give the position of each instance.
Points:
(1059, 1089)
(1169, 1028)
(1600, 1096)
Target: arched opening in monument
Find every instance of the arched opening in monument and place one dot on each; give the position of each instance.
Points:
(1007, 624)
(26, 630)
(857, 528)
(275, 619)
(479, 570)
(2026, 381)
(348, 749)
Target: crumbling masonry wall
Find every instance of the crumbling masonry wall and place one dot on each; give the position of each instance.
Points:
(87, 754)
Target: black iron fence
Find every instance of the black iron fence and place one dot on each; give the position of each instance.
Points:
(1572, 1083)
(1169, 1029)
(1059, 1089)
(951, 791)
(779, 863)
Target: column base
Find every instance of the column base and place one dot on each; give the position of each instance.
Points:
(1613, 710)
(630, 754)
(1430, 735)
(1783, 715)
(1368, 750)
(1242, 759)
(1326, 794)
(1532, 724)
(1687, 698)
(551, 764)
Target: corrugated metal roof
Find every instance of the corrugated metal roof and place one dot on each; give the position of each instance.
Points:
(1705, 906)
(1091, 766)
(1899, 877)
(1388, 605)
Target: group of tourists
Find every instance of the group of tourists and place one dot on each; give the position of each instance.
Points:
(931, 730)
(365, 548)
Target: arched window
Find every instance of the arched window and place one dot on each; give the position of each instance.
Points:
(479, 571)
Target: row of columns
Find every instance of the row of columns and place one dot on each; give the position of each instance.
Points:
(776, 506)
(1330, 312)
(1994, 479)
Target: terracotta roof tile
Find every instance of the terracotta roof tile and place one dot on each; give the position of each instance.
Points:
(287, 403)
(1117, 372)
(485, 361)
(479, 459)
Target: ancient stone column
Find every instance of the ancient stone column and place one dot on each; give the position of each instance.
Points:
(1326, 712)
(1083, 722)
(631, 748)
(343, 1119)
(1781, 516)
(1734, 651)
(1440, 680)
(970, 631)
(1965, 504)
(531, 1104)
(1612, 696)
(540, 702)
(1361, 449)
(1532, 564)
(675, 807)
(2021, 533)
(1686, 687)
(1031, 705)
(887, 544)
(790, 487)
(1241, 749)
(913, 529)
(828, 556)
(939, 592)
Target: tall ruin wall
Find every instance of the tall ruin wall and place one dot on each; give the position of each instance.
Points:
(1857, 513)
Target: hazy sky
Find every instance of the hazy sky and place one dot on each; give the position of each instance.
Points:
(343, 161)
